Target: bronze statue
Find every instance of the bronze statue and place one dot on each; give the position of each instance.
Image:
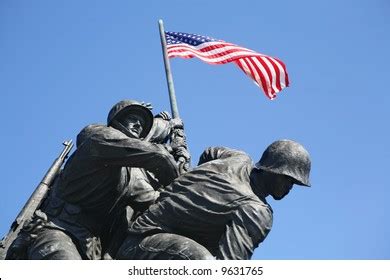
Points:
(218, 209)
(113, 175)
(124, 194)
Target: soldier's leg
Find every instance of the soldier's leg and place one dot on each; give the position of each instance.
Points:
(162, 246)
(53, 244)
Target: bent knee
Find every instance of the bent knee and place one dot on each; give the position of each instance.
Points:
(179, 247)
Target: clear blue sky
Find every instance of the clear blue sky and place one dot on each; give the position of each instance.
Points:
(63, 64)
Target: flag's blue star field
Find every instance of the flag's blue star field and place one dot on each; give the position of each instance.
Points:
(187, 38)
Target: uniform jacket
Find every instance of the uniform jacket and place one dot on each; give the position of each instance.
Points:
(106, 173)
(214, 204)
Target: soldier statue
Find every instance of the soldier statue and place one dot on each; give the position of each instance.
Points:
(218, 209)
(124, 194)
(114, 174)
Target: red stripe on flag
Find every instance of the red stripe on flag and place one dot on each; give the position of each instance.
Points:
(277, 76)
(268, 73)
(262, 73)
(177, 52)
(285, 71)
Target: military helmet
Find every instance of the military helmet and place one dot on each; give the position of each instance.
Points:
(124, 107)
(289, 158)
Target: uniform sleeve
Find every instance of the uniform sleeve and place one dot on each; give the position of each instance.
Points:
(248, 228)
(143, 191)
(111, 147)
(213, 153)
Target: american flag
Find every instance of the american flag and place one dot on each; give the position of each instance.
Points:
(267, 72)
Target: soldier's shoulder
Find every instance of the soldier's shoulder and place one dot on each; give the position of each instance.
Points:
(93, 127)
(87, 132)
(226, 151)
(98, 131)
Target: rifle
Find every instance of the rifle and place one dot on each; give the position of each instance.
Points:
(36, 199)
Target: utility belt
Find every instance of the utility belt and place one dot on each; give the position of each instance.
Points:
(61, 210)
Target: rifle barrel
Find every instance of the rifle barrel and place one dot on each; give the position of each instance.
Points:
(35, 200)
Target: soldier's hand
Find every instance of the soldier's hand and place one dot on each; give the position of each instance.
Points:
(147, 105)
(177, 123)
(181, 153)
(164, 115)
(178, 138)
(182, 157)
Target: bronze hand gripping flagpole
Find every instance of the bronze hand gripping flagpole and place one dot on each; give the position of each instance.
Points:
(178, 134)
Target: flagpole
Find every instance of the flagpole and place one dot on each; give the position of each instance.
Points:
(184, 164)
(168, 73)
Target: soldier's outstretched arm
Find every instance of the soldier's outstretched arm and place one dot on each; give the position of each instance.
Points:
(111, 147)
